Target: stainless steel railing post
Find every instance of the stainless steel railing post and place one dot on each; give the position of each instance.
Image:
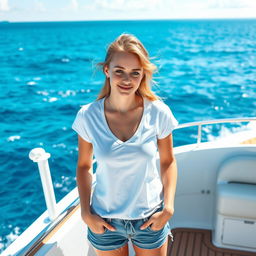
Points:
(199, 135)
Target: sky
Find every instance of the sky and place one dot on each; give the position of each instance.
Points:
(73, 10)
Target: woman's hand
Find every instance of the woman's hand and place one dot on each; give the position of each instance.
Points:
(158, 220)
(96, 223)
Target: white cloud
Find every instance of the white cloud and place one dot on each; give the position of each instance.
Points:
(39, 6)
(47, 10)
(72, 6)
(209, 9)
(227, 4)
(127, 6)
(4, 6)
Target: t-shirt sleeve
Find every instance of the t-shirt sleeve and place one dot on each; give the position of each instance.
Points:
(79, 125)
(166, 122)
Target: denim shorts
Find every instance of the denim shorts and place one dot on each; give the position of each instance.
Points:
(129, 229)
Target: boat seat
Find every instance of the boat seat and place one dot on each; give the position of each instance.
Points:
(240, 169)
(238, 200)
(235, 216)
(236, 187)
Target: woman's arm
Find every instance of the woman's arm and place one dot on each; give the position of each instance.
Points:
(84, 174)
(168, 170)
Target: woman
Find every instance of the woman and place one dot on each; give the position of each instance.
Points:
(124, 128)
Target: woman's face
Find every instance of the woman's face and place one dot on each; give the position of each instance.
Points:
(125, 73)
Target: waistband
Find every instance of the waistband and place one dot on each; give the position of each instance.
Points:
(160, 208)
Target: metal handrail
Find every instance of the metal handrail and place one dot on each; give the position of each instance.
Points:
(215, 121)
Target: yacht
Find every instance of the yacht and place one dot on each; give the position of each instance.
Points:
(215, 202)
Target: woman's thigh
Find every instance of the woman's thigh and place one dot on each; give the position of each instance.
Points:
(161, 251)
(123, 251)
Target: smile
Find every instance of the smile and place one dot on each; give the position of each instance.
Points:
(125, 88)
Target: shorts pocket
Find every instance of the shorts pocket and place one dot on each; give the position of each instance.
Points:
(105, 229)
(98, 234)
(149, 228)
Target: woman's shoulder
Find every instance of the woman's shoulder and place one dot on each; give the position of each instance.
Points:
(159, 106)
(90, 107)
(165, 117)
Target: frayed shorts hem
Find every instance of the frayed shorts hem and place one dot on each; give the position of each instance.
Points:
(148, 247)
(109, 248)
(141, 246)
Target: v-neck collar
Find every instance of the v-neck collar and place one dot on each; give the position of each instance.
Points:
(109, 130)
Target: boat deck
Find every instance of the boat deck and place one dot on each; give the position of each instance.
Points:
(250, 141)
(197, 242)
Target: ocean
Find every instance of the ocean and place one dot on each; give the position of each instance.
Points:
(206, 70)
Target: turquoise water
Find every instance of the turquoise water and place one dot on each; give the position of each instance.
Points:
(206, 71)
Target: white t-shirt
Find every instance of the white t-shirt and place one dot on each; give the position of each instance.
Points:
(128, 182)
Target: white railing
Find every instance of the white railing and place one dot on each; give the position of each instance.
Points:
(216, 121)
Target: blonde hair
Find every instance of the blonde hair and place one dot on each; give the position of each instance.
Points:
(129, 43)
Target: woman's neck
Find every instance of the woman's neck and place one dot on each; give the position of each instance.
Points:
(122, 104)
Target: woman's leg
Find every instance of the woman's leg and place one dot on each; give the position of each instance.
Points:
(123, 251)
(161, 251)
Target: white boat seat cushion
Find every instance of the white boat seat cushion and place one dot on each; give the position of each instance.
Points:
(236, 199)
(239, 168)
(236, 187)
